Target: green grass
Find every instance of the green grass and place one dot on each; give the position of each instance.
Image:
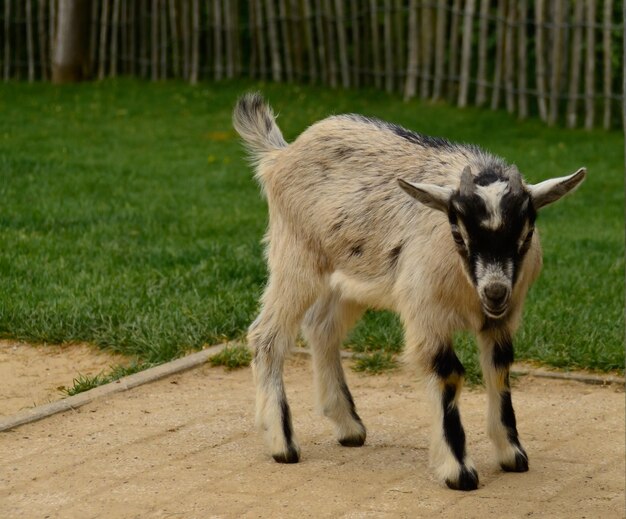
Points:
(232, 357)
(86, 382)
(374, 363)
(130, 218)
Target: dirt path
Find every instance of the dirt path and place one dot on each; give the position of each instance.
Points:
(186, 447)
(32, 375)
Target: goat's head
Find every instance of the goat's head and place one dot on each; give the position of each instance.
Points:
(492, 217)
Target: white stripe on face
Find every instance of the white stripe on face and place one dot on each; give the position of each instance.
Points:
(492, 195)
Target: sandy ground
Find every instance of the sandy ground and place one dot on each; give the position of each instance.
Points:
(186, 447)
(32, 375)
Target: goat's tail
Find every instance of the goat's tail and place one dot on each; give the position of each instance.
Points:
(255, 122)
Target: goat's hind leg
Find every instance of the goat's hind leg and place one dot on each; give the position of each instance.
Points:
(325, 325)
(271, 336)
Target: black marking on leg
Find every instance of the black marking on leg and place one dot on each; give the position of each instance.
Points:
(348, 397)
(519, 465)
(352, 441)
(503, 355)
(286, 417)
(291, 455)
(452, 428)
(446, 362)
(507, 416)
(468, 480)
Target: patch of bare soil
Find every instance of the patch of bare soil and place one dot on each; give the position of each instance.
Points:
(32, 375)
(186, 446)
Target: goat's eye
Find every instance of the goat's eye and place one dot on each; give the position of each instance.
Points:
(456, 236)
(529, 236)
(527, 240)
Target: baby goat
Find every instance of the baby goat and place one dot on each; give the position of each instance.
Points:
(459, 253)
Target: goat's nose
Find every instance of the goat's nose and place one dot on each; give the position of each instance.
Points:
(497, 294)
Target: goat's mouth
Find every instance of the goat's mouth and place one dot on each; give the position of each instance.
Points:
(495, 313)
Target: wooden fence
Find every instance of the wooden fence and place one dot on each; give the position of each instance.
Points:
(560, 59)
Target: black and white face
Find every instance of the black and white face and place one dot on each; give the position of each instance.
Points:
(492, 219)
(492, 226)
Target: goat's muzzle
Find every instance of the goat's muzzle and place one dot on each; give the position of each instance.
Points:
(495, 299)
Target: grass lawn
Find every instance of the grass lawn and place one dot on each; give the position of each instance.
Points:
(130, 218)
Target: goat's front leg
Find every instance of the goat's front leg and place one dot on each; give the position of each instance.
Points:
(496, 357)
(444, 375)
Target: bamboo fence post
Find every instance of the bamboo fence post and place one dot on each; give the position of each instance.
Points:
(427, 49)
(236, 37)
(17, 52)
(93, 38)
(254, 57)
(270, 10)
(606, 44)
(174, 28)
(522, 81)
(124, 30)
(114, 34)
(41, 26)
(540, 73)
(296, 21)
(217, 39)
(155, 40)
(590, 65)
(453, 63)
(308, 33)
(343, 47)
(132, 35)
(400, 41)
(557, 43)
(321, 47)
(356, 44)
(388, 49)
(195, 42)
(375, 43)
(261, 39)
(7, 39)
(30, 47)
(574, 74)
(330, 36)
(466, 55)
(413, 53)
(440, 46)
(185, 33)
(230, 45)
(164, 43)
(286, 40)
(483, 26)
(104, 20)
(143, 43)
(509, 56)
(497, 74)
(52, 28)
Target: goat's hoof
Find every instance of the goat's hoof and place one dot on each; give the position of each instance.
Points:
(467, 480)
(291, 455)
(353, 441)
(520, 464)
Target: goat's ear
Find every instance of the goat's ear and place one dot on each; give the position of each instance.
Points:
(551, 190)
(433, 196)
